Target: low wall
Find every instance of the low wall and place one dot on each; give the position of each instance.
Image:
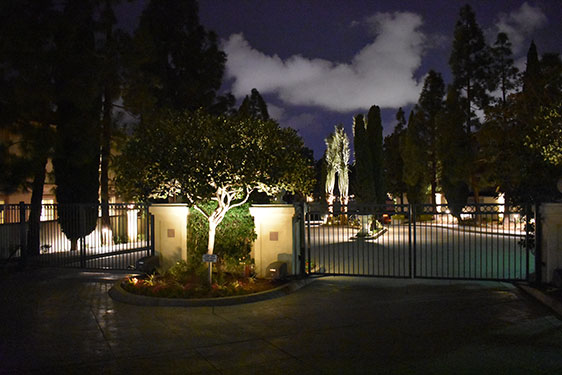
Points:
(551, 216)
(170, 232)
(275, 242)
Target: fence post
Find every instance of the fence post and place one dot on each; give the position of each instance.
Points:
(23, 236)
(538, 244)
(152, 251)
(410, 264)
(82, 239)
(302, 256)
(413, 253)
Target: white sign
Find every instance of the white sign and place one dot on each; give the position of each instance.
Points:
(211, 258)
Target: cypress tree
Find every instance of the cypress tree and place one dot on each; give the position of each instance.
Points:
(393, 164)
(364, 189)
(374, 137)
(77, 150)
(414, 157)
(453, 148)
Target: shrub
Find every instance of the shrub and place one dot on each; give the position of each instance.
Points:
(233, 240)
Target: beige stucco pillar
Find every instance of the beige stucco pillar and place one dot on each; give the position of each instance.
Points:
(274, 227)
(170, 232)
(551, 214)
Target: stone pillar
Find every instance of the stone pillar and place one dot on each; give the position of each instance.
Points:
(551, 215)
(170, 232)
(274, 227)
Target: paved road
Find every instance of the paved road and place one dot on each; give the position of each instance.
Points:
(438, 252)
(65, 323)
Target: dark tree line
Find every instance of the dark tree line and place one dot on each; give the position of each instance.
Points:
(448, 146)
(64, 66)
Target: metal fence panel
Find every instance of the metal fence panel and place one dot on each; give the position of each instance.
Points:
(484, 242)
(73, 236)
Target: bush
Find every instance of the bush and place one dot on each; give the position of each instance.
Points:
(233, 241)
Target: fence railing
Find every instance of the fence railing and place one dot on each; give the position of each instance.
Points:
(486, 242)
(75, 235)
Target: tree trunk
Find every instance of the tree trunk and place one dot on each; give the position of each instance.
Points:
(73, 244)
(434, 184)
(105, 153)
(33, 243)
(212, 232)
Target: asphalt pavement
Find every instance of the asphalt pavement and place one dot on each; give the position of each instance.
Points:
(64, 322)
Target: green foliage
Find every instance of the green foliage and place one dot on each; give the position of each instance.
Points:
(194, 154)
(234, 236)
(520, 139)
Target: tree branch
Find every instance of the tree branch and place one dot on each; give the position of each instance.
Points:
(201, 211)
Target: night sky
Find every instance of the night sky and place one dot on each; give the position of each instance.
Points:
(318, 63)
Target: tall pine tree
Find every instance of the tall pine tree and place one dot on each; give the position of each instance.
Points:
(503, 72)
(470, 65)
(429, 105)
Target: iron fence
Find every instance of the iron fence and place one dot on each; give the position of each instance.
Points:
(484, 242)
(76, 235)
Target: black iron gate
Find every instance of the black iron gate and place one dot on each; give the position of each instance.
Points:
(484, 242)
(117, 246)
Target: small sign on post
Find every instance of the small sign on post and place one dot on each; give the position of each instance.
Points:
(210, 258)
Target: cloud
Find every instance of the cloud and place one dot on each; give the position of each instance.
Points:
(381, 73)
(520, 24)
(275, 112)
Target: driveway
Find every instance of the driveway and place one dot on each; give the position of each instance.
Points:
(60, 321)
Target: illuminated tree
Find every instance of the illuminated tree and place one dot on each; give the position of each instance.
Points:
(337, 160)
(204, 158)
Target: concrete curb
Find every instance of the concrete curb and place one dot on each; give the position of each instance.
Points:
(119, 294)
(546, 300)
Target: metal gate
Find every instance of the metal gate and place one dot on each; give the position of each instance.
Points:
(117, 246)
(484, 242)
